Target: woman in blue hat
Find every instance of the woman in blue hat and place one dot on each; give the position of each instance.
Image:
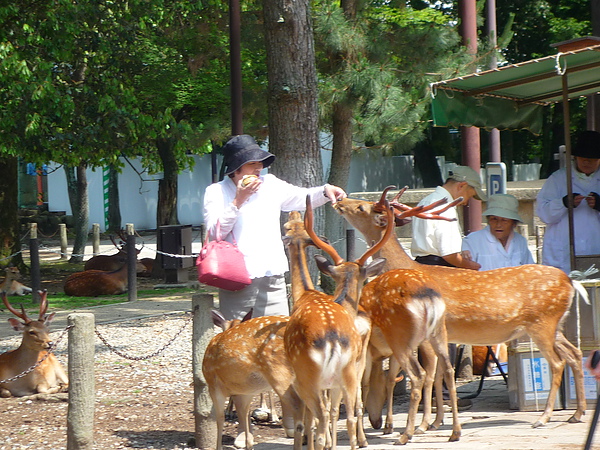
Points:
(552, 206)
(248, 206)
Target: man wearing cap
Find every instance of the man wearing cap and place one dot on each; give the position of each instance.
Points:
(439, 242)
(247, 206)
(498, 245)
(552, 206)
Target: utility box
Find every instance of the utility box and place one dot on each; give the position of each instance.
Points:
(529, 377)
(176, 240)
(590, 385)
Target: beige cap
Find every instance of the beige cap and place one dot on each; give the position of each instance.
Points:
(465, 173)
(503, 205)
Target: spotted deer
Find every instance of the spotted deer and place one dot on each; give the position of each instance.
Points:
(489, 307)
(11, 285)
(324, 346)
(49, 376)
(92, 283)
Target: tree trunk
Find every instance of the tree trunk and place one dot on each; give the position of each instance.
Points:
(166, 211)
(292, 98)
(114, 207)
(10, 244)
(77, 188)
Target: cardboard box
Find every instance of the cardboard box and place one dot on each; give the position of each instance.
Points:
(529, 380)
(590, 385)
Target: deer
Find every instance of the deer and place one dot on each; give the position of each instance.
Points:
(324, 345)
(110, 263)
(11, 285)
(407, 307)
(92, 283)
(48, 377)
(490, 307)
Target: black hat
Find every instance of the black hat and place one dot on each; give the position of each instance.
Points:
(588, 145)
(242, 149)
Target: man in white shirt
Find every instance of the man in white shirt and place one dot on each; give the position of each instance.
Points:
(439, 242)
(498, 245)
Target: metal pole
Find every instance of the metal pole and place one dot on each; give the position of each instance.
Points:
(350, 244)
(34, 259)
(80, 414)
(567, 127)
(131, 264)
(494, 137)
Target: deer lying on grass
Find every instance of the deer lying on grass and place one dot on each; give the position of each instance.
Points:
(49, 376)
(324, 346)
(92, 283)
(11, 286)
(110, 263)
(490, 307)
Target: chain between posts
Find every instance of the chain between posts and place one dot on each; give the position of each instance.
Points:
(151, 355)
(32, 368)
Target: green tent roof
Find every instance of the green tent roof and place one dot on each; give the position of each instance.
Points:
(512, 97)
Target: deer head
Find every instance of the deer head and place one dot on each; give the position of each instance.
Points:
(35, 332)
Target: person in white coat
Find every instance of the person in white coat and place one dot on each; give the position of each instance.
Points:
(498, 244)
(552, 206)
(247, 206)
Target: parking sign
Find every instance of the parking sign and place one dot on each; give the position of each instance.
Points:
(496, 178)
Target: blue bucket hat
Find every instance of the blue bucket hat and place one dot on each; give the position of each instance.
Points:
(242, 149)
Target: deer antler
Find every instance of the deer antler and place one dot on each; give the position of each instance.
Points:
(43, 303)
(422, 212)
(388, 232)
(381, 205)
(308, 224)
(21, 315)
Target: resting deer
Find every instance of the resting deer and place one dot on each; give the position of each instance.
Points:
(92, 283)
(110, 263)
(324, 346)
(490, 307)
(11, 286)
(49, 376)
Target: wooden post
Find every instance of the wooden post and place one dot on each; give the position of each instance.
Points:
(34, 259)
(131, 264)
(63, 240)
(80, 414)
(204, 410)
(95, 238)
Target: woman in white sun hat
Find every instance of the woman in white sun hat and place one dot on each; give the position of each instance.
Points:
(498, 245)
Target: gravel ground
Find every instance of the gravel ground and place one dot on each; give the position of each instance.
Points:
(139, 404)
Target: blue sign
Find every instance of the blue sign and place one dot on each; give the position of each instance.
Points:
(496, 178)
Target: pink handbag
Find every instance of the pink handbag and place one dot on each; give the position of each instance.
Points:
(221, 264)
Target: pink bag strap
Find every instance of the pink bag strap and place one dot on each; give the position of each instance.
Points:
(218, 233)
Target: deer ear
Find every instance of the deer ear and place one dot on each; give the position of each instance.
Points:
(49, 318)
(323, 264)
(218, 318)
(17, 326)
(375, 267)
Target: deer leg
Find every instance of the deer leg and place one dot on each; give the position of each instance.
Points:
(393, 370)
(546, 342)
(572, 355)
(444, 366)
(428, 362)
(350, 390)
(335, 401)
(218, 399)
(416, 374)
(242, 406)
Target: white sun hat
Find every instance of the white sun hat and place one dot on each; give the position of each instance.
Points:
(503, 205)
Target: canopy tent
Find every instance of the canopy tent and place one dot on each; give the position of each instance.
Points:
(512, 97)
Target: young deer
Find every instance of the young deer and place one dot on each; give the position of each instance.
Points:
(324, 346)
(49, 376)
(92, 283)
(490, 307)
(11, 286)
(245, 360)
